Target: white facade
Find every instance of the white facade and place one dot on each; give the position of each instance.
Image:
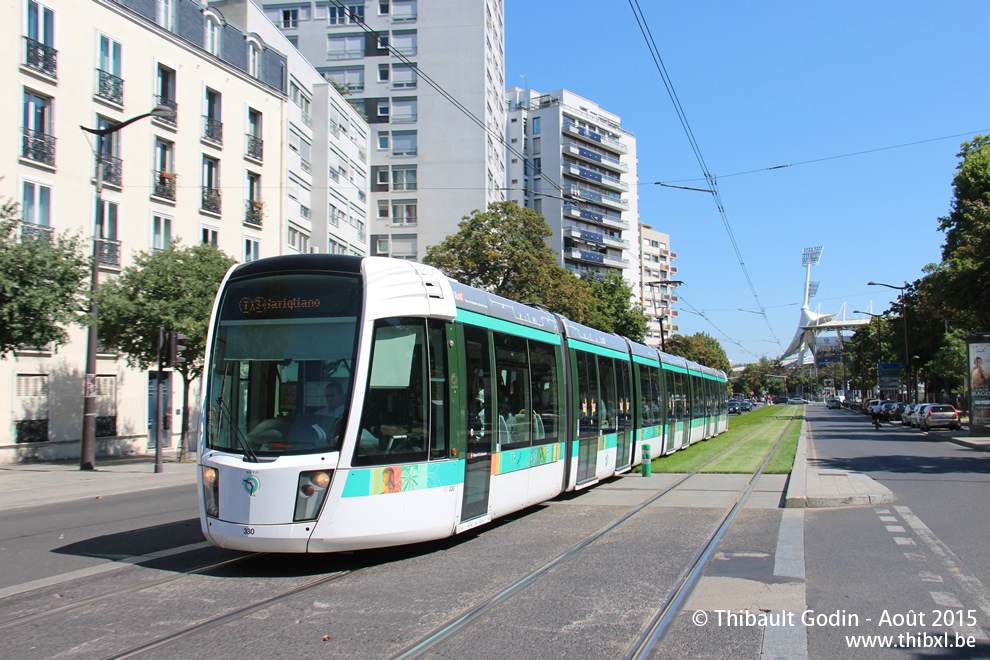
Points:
(572, 161)
(431, 164)
(658, 287)
(215, 173)
(325, 148)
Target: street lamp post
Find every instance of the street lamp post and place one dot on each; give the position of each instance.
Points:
(879, 338)
(87, 452)
(907, 355)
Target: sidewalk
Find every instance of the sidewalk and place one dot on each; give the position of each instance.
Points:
(30, 484)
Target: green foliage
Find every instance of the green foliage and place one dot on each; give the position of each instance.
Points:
(503, 251)
(757, 377)
(959, 286)
(701, 348)
(42, 285)
(613, 311)
(171, 288)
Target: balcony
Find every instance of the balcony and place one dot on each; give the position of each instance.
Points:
(570, 128)
(581, 234)
(41, 58)
(112, 169)
(109, 87)
(164, 185)
(605, 199)
(38, 146)
(171, 120)
(212, 130)
(612, 221)
(596, 258)
(574, 149)
(31, 233)
(210, 200)
(604, 180)
(108, 252)
(254, 212)
(255, 147)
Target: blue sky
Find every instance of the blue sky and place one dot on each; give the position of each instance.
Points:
(772, 83)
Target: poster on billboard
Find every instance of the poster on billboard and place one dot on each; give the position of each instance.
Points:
(978, 377)
(828, 350)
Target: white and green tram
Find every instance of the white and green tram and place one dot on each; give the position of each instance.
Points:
(359, 402)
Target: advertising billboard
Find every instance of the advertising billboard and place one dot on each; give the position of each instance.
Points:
(828, 350)
(978, 378)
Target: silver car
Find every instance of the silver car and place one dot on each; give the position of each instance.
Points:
(940, 416)
(917, 413)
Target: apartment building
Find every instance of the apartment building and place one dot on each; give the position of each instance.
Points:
(572, 161)
(658, 286)
(324, 145)
(221, 168)
(432, 161)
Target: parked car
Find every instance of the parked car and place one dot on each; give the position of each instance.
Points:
(917, 413)
(797, 401)
(745, 405)
(887, 411)
(940, 416)
(906, 413)
(780, 399)
(834, 402)
(734, 406)
(868, 406)
(897, 410)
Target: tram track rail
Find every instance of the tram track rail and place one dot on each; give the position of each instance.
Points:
(660, 623)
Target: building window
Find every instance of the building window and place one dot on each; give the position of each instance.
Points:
(164, 174)
(403, 11)
(383, 139)
(383, 206)
(109, 84)
(383, 107)
(382, 73)
(404, 246)
(403, 110)
(297, 240)
(161, 232)
(404, 42)
(212, 38)
(166, 92)
(403, 77)
(38, 143)
(255, 145)
(404, 143)
(289, 18)
(403, 178)
(254, 60)
(404, 212)
(108, 231)
(165, 13)
(252, 249)
(210, 236)
(383, 8)
(536, 125)
(40, 53)
(212, 124)
(211, 185)
(345, 46)
(351, 78)
(36, 203)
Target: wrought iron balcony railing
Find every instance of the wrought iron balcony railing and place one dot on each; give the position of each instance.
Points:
(254, 212)
(212, 130)
(31, 232)
(40, 57)
(112, 169)
(109, 87)
(108, 252)
(211, 200)
(170, 104)
(165, 185)
(255, 147)
(38, 146)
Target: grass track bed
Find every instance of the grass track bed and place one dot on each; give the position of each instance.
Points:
(747, 456)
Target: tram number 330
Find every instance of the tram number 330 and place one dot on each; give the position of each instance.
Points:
(249, 531)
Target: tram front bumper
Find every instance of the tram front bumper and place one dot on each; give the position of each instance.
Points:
(259, 538)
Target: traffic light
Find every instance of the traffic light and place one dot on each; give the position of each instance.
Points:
(173, 347)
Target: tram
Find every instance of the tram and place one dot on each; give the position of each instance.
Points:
(360, 402)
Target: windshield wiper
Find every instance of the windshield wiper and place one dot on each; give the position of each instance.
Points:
(249, 454)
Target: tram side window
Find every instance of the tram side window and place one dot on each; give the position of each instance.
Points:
(395, 415)
(587, 393)
(623, 383)
(659, 402)
(647, 395)
(546, 408)
(514, 404)
(608, 410)
(438, 389)
(480, 399)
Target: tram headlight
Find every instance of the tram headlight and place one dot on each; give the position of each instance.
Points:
(211, 491)
(311, 493)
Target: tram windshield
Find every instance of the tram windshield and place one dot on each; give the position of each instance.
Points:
(280, 373)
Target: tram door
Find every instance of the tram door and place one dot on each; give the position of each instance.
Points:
(623, 456)
(587, 413)
(481, 397)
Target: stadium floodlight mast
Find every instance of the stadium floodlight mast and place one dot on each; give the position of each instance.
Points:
(811, 256)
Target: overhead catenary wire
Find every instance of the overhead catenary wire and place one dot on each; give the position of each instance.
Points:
(686, 126)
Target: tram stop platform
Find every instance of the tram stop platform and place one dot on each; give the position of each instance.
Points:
(34, 483)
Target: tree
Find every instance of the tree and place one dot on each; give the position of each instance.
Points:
(503, 251)
(173, 289)
(701, 348)
(613, 310)
(961, 282)
(42, 284)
